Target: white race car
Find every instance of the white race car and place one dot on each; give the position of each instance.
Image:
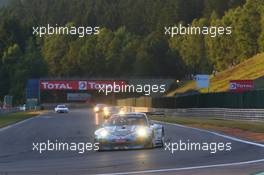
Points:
(129, 131)
(99, 108)
(110, 110)
(61, 109)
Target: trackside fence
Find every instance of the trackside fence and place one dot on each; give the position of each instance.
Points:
(246, 100)
(222, 113)
(6, 111)
(230, 105)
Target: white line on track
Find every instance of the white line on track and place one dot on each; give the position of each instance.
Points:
(217, 134)
(197, 167)
(186, 168)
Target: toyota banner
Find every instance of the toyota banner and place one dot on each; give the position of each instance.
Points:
(241, 85)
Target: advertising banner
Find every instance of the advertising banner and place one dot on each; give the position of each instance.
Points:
(8, 101)
(78, 96)
(241, 85)
(202, 81)
(77, 84)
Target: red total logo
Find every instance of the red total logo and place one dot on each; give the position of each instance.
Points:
(56, 85)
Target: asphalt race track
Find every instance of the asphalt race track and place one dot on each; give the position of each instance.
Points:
(17, 156)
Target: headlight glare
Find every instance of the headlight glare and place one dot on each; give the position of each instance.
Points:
(142, 132)
(121, 112)
(96, 109)
(106, 112)
(104, 133)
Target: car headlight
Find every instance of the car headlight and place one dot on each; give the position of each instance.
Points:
(106, 112)
(142, 132)
(103, 133)
(121, 112)
(96, 109)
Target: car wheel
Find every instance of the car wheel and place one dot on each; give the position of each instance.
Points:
(99, 146)
(162, 138)
(151, 143)
(100, 149)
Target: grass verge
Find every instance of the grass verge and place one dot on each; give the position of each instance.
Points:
(244, 129)
(250, 69)
(7, 119)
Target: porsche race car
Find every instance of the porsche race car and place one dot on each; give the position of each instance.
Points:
(129, 131)
(99, 108)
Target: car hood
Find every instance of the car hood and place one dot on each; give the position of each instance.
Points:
(62, 108)
(121, 130)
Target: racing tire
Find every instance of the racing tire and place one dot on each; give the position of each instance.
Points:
(162, 138)
(150, 144)
(99, 149)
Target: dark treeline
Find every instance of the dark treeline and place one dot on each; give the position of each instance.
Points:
(131, 42)
(139, 17)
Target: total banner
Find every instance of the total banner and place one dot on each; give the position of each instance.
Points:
(77, 84)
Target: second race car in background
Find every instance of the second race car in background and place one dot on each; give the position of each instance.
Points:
(99, 108)
(110, 110)
(61, 109)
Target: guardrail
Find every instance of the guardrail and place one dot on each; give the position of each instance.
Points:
(6, 111)
(223, 113)
(51, 106)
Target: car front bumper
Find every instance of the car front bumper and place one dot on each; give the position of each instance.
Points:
(122, 144)
(62, 111)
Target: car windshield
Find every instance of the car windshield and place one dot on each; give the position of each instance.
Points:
(100, 105)
(126, 120)
(61, 106)
(112, 109)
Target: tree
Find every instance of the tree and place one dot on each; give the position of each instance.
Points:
(192, 49)
(247, 30)
(33, 61)
(12, 61)
(154, 58)
(222, 51)
(54, 51)
(261, 36)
